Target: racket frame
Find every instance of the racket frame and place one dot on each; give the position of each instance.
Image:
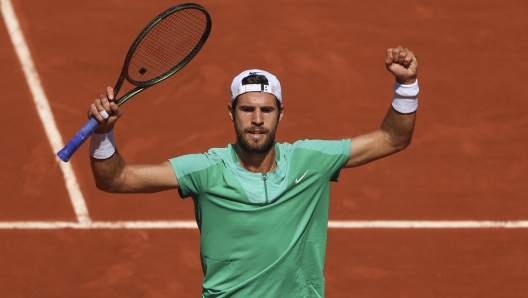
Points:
(144, 85)
(86, 131)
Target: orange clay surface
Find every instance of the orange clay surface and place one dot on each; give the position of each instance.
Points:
(467, 160)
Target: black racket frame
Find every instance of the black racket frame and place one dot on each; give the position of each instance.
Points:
(144, 85)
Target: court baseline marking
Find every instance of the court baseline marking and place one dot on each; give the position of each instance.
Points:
(190, 224)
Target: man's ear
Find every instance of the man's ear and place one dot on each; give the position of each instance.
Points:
(281, 113)
(230, 111)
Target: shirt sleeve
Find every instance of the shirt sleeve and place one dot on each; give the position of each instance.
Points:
(195, 173)
(328, 156)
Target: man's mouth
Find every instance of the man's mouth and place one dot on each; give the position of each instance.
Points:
(255, 130)
(257, 133)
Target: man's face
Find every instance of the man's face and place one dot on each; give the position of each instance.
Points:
(256, 117)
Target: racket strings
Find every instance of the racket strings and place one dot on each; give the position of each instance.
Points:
(168, 45)
(170, 41)
(179, 42)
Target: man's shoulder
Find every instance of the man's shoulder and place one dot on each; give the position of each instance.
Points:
(220, 150)
(325, 146)
(190, 163)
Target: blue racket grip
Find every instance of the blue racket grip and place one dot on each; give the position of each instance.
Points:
(82, 135)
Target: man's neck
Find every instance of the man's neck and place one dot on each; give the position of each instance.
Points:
(257, 162)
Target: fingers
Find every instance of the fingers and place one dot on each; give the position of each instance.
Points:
(100, 109)
(400, 55)
(110, 93)
(402, 63)
(104, 109)
(389, 59)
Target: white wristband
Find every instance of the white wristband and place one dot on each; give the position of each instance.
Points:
(102, 146)
(405, 97)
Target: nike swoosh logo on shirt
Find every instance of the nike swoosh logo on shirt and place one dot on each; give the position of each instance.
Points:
(297, 180)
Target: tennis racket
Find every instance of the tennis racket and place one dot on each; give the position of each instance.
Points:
(164, 46)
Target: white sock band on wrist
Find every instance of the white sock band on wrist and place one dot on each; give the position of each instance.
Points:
(405, 97)
(102, 146)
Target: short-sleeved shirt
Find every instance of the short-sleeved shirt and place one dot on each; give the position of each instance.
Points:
(263, 235)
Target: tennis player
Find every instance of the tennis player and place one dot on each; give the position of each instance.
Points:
(261, 206)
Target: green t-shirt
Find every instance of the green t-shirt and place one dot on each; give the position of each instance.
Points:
(263, 235)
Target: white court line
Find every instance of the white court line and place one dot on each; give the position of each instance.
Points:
(43, 108)
(424, 224)
(190, 224)
(45, 225)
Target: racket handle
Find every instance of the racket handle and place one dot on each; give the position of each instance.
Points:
(82, 135)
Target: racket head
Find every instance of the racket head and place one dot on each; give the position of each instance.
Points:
(166, 44)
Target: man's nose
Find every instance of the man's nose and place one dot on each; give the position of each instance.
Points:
(258, 118)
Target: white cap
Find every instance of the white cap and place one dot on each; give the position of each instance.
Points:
(274, 86)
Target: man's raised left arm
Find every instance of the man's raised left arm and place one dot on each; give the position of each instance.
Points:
(396, 130)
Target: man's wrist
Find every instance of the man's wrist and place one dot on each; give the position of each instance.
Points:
(405, 98)
(102, 129)
(102, 145)
(406, 81)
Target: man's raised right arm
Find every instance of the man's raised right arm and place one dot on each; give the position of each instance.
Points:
(110, 171)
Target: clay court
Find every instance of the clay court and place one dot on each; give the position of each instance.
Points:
(447, 217)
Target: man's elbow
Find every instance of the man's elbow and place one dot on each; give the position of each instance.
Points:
(402, 144)
(397, 142)
(108, 187)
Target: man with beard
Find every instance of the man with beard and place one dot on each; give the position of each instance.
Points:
(261, 206)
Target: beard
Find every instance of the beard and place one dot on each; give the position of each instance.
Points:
(254, 147)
